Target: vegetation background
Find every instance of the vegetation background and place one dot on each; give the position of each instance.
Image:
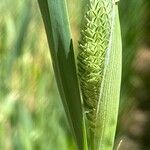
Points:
(31, 113)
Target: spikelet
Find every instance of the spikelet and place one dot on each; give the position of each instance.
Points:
(94, 42)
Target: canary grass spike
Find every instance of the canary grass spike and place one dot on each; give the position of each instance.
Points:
(95, 61)
(95, 37)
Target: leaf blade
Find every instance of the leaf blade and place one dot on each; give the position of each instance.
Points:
(109, 100)
(59, 38)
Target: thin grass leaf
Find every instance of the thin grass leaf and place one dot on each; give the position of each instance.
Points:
(109, 104)
(59, 38)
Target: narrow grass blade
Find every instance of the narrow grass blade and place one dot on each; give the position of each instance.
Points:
(61, 47)
(109, 100)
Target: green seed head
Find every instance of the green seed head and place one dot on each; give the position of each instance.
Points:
(94, 42)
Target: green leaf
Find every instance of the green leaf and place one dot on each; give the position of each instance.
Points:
(61, 47)
(110, 92)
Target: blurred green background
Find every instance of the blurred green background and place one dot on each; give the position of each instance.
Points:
(31, 113)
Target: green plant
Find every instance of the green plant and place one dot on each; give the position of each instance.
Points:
(99, 69)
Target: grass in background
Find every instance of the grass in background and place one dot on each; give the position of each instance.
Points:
(31, 116)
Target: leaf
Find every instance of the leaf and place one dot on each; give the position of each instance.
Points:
(61, 47)
(110, 91)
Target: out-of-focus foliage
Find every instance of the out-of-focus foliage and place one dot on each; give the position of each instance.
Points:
(133, 124)
(31, 114)
(130, 26)
(131, 34)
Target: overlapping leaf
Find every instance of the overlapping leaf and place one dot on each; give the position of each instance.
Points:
(61, 47)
